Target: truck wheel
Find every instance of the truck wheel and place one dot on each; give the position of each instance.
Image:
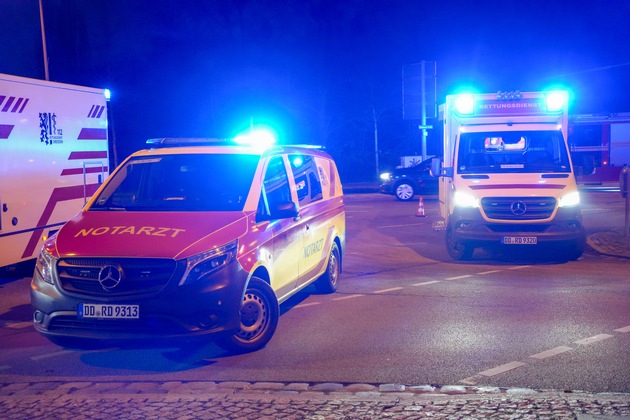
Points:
(404, 191)
(457, 250)
(259, 319)
(329, 281)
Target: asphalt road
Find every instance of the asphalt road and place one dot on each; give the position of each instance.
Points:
(404, 313)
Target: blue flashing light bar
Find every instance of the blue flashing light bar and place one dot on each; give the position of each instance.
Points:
(465, 104)
(556, 100)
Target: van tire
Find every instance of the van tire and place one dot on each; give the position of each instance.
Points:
(329, 281)
(456, 249)
(259, 318)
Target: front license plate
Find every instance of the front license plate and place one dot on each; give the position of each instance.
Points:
(519, 240)
(104, 311)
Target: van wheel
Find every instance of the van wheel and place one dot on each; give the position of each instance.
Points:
(259, 319)
(329, 281)
(456, 249)
(404, 191)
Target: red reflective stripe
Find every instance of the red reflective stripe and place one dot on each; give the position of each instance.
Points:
(93, 134)
(513, 186)
(88, 155)
(58, 195)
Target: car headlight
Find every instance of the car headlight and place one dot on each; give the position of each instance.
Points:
(465, 200)
(386, 176)
(45, 266)
(570, 200)
(209, 262)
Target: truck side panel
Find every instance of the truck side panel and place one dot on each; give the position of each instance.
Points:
(53, 154)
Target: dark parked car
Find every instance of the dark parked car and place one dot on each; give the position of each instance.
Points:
(405, 183)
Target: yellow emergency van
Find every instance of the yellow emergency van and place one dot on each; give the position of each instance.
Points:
(194, 237)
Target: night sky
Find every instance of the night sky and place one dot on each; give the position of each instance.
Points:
(318, 71)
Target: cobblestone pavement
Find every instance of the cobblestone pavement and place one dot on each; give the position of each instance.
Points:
(269, 400)
(610, 243)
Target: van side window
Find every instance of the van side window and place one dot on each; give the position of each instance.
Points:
(306, 177)
(275, 186)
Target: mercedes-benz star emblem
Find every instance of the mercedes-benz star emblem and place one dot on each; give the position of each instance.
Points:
(519, 208)
(109, 276)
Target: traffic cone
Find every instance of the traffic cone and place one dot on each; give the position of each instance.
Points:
(420, 212)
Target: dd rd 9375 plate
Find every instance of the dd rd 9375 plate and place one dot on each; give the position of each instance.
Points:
(105, 311)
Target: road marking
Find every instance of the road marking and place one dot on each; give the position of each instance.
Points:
(594, 339)
(489, 272)
(502, 369)
(552, 352)
(49, 355)
(393, 289)
(519, 267)
(395, 226)
(304, 305)
(348, 297)
(624, 329)
(460, 277)
(19, 325)
(426, 282)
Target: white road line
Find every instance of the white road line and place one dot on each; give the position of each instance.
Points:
(460, 277)
(49, 355)
(426, 282)
(393, 289)
(304, 305)
(395, 226)
(624, 329)
(489, 272)
(519, 267)
(502, 369)
(19, 325)
(469, 381)
(347, 297)
(552, 352)
(594, 339)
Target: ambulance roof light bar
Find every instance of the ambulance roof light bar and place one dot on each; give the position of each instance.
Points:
(180, 141)
(556, 100)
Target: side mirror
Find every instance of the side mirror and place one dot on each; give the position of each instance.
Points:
(284, 210)
(436, 167)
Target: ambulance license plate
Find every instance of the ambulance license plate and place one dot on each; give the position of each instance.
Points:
(519, 240)
(104, 311)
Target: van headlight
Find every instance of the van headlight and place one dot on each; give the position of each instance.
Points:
(45, 266)
(202, 265)
(462, 199)
(570, 200)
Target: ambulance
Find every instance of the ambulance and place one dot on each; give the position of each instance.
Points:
(507, 178)
(53, 156)
(194, 237)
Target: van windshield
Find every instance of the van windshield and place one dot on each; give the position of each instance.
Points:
(512, 152)
(180, 182)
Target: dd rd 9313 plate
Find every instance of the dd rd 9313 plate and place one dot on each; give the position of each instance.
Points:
(106, 311)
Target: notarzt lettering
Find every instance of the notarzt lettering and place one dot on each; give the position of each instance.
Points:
(130, 230)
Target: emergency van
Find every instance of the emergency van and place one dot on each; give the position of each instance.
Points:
(507, 177)
(53, 155)
(202, 237)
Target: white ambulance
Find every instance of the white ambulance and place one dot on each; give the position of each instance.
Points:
(507, 177)
(200, 238)
(53, 156)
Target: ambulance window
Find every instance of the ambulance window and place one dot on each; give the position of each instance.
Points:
(306, 178)
(275, 186)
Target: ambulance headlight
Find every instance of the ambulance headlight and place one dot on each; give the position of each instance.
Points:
(386, 176)
(465, 200)
(45, 266)
(570, 200)
(200, 266)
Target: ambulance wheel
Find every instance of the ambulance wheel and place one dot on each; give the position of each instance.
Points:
(404, 191)
(329, 281)
(456, 249)
(259, 319)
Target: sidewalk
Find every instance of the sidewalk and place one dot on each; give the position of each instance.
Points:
(268, 400)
